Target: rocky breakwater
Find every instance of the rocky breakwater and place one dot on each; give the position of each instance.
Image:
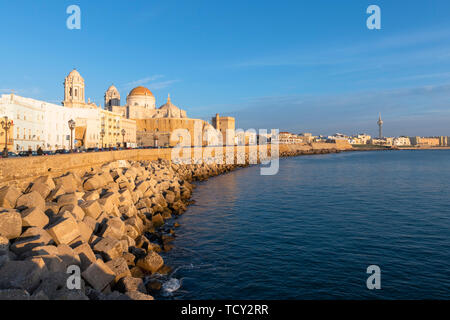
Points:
(96, 234)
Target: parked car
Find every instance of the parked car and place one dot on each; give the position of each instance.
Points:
(93, 150)
(24, 154)
(62, 151)
(10, 154)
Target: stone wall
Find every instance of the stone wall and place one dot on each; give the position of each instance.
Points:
(18, 171)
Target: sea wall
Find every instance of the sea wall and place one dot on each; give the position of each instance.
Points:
(19, 171)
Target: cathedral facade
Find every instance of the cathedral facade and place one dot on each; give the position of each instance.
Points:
(156, 125)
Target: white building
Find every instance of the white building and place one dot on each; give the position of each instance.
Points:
(28, 117)
(402, 141)
(42, 124)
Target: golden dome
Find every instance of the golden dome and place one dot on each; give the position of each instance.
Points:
(140, 91)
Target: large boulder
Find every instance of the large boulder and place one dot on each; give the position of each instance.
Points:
(54, 286)
(68, 199)
(56, 192)
(25, 275)
(151, 262)
(114, 228)
(86, 255)
(10, 224)
(85, 231)
(34, 217)
(120, 268)
(170, 197)
(157, 220)
(109, 248)
(30, 200)
(93, 183)
(65, 230)
(68, 182)
(99, 275)
(9, 196)
(33, 237)
(41, 188)
(68, 255)
(91, 195)
(75, 210)
(128, 284)
(91, 208)
(47, 180)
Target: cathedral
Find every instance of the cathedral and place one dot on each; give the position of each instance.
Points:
(141, 105)
(156, 125)
(138, 123)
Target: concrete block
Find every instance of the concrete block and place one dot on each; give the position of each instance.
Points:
(10, 224)
(34, 217)
(99, 275)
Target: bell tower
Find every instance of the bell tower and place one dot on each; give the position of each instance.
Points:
(74, 90)
(112, 98)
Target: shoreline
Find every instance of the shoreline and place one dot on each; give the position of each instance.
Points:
(109, 223)
(112, 222)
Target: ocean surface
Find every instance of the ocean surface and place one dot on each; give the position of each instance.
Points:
(311, 231)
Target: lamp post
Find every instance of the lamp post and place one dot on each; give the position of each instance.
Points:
(6, 125)
(123, 137)
(102, 134)
(71, 127)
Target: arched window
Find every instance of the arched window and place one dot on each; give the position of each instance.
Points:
(76, 92)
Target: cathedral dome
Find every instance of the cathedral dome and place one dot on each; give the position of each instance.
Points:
(140, 91)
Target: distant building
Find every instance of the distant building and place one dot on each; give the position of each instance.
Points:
(401, 141)
(387, 141)
(307, 137)
(248, 137)
(444, 141)
(289, 138)
(338, 137)
(226, 126)
(426, 141)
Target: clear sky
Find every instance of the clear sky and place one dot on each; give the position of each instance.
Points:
(301, 66)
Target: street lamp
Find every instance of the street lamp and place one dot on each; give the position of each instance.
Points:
(71, 127)
(102, 134)
(6, 125)
(123, 137)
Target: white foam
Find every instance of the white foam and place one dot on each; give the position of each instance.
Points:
(171, 286)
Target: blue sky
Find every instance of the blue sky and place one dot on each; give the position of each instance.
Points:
(301, 66)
